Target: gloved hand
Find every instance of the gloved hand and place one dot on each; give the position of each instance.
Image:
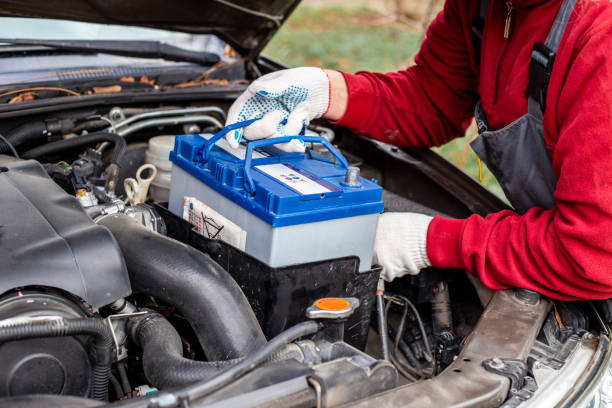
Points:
(286, 101)
(400, 245)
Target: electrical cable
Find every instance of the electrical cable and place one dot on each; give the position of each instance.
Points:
(400, 328)
(400, 365)
(402, 368)
(125, 382)
(10, 146)
(407, 352)
(428, 355)
(393, 358)
(604, 326)
(422, 327)
(398, 337)
(116, 386)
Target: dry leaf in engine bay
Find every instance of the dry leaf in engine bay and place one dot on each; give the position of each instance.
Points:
(145, 80)
(107, 89)
(23, 97)
(229, 51)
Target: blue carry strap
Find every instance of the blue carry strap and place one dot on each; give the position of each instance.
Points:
(210, 143)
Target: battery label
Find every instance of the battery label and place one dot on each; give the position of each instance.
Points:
(299, 181)
(211, 224)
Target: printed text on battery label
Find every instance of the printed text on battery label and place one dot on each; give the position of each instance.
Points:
(293, 179)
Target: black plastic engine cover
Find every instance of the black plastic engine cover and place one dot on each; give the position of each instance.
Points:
(47, 239)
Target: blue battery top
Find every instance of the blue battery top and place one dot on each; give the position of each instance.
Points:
(280, 188)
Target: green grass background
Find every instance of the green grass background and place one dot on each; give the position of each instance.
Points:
(353, 38)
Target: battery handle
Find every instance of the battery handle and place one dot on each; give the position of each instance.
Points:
(249, 162)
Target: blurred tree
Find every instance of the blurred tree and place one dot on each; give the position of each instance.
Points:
(411, 11)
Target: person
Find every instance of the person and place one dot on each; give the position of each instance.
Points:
(538, 74)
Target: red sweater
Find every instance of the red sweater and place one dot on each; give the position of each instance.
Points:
(566, 252)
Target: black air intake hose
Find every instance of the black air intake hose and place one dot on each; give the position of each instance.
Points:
(81, 141)
(163, 361)
(33, 133)
(102, 347)
(190, 280)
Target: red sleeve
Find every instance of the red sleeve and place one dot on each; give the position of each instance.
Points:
(564, 253)
(429, 103)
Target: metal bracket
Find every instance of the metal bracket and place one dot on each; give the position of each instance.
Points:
(318, 390)
(554, 357)
(522, 386)
(120, 316)
(522, 395)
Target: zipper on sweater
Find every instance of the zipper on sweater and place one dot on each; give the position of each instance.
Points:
(507, 34)
(510, 9)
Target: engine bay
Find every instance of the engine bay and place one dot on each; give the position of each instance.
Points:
(111, 294)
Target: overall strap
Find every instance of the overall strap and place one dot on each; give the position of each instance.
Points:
(543, 59)
(478, 26)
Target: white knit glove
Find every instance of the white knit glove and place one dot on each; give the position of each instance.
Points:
(400, 246)
(286, 101)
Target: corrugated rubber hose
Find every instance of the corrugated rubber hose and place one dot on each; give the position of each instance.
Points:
(102, 347)
(163, 362)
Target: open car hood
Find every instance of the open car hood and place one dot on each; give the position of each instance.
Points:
(247, 25)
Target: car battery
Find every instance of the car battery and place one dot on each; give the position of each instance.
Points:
(281, 208)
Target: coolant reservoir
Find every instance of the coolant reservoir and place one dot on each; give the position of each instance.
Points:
(281, 208)
(157, 154)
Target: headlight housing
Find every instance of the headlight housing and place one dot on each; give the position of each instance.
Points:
(584, 381)
(601, 396)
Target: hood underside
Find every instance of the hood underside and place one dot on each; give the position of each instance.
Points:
(247, 25)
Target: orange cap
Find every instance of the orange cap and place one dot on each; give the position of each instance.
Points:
(333, 304)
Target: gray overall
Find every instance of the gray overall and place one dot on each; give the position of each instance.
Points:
(516, 154)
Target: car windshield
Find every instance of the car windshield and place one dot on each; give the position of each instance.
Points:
(47, 29)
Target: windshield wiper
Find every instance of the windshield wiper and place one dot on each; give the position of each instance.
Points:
(143, 49)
